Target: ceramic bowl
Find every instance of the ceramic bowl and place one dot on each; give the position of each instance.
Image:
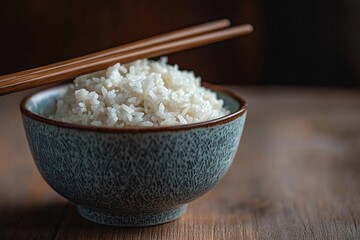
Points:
(131, 176)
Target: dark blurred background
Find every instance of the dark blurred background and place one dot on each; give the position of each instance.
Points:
(313, 43)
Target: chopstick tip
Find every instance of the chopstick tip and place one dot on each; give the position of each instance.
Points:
(250, 27)
(226, 22)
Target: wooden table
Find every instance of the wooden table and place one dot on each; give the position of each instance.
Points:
(296, 176)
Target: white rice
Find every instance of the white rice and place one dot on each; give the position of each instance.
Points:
(141, 93)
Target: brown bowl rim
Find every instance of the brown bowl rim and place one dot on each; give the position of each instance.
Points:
(218, 121)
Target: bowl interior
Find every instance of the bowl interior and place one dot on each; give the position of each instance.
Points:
(43, 103)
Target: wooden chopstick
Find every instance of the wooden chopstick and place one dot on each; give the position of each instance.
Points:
(67, 72)
(166, 37)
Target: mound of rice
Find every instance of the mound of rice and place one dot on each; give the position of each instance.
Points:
(141, 93)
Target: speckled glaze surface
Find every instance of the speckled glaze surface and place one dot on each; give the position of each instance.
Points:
(131, 177)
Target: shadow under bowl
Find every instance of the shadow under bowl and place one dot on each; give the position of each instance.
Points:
(136, 176)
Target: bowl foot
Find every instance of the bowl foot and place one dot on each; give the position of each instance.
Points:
(130, 219)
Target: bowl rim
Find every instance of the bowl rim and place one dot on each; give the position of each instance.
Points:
(204, 124)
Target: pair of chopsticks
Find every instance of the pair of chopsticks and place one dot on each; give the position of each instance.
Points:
(150, 47)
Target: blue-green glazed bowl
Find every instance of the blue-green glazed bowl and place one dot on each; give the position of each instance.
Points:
(131, 176)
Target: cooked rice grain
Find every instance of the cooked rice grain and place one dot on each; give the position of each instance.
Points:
(141, 93)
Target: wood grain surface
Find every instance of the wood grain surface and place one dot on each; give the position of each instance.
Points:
(296, 176)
